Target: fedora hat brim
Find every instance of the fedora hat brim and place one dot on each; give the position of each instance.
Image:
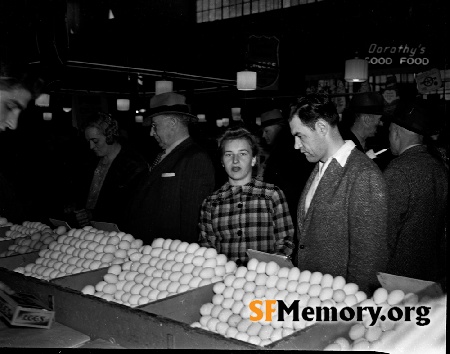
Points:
(174, 109)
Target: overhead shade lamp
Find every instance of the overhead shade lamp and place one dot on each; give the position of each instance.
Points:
(43, 100)
(123, 104)
(236, 113)
(139, 118)
(201, 118)
(47, 116)
(246, 80)
(356, 70)
(163, 86)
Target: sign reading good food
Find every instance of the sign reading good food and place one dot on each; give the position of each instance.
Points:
(403, 54)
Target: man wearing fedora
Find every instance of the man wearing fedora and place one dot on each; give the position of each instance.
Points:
(366, 110)
(285, 166)
(168, 203)
(417, 184)
(365, 114)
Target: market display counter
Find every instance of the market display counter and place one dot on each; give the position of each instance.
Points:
(164, 323)
(58, 336)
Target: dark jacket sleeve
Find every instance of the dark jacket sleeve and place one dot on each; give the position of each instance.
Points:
(197, 184)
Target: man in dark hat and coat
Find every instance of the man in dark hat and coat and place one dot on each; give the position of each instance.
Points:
(364, 119)
(168, 203)
(285, 166)
(417, 184)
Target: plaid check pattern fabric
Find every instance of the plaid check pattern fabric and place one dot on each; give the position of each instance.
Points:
(236, 218)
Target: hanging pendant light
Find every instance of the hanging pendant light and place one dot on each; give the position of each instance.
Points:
(246, 80)
(123, 104)
(47, 116)
(356, 70)
(43, 100)
(163, 86)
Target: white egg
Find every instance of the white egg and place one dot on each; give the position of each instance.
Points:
(221, 259)
(339, 295)
(283, 272)
(220, 271)
(88, 290)
(210, 263)
(188, 258)
(230, 267)
(338, 282)
(157, 243)
(272, 268)
(350, 288)
(395, 297)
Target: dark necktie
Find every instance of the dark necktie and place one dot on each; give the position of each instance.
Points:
(157, 159)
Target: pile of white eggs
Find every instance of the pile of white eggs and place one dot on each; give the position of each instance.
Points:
(229, 314)
(31, 240)
(409, 337)
(81, 250)
(165, 268)
(27, 228)
(363, 335)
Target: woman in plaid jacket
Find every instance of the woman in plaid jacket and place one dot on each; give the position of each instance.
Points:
(245, 213)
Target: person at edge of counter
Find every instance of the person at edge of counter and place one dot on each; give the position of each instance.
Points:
(417, 184)
(167, 203)
(18, 87)
(110, 178)
(342, 212)
(244, 213)
(285, 166)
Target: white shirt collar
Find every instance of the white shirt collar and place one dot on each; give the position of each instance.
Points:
(341, 155)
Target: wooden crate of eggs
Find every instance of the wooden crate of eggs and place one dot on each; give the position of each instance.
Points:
(228, 313)
(164, 268)
(81, 250)
(368, 336)
(29, 237)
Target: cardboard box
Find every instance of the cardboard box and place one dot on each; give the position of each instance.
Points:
(19, 260)
(25, 310)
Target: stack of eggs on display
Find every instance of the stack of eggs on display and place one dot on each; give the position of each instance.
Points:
(164, 268)
(29, 237)
(229, 313)
(409, 337)
(81, 250)
(365, 335)
(4, 222)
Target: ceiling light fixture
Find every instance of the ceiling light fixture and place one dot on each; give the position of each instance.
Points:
(246, 80)
(43, 100)
(123, 104)
(163, 86)
(356, 70)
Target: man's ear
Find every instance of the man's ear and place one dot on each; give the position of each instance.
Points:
(367, 119)
(253, 161)
(322, 126)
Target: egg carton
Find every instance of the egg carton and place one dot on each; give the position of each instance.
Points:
(228, 313)
(81, 250)
(165, 268)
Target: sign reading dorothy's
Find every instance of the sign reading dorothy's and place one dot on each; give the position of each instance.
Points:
(401, 54)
